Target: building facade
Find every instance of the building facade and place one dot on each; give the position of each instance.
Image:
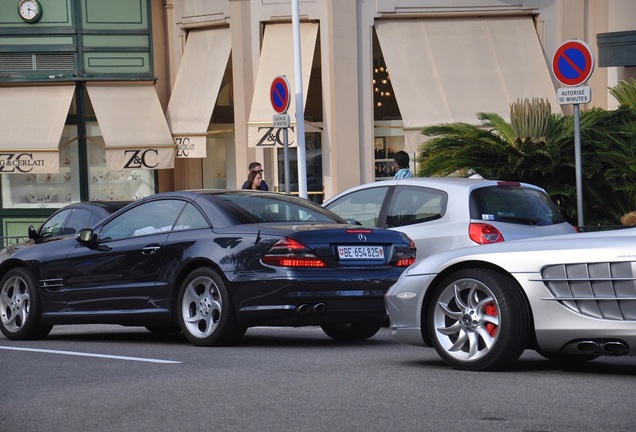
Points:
(372, 74)
(81, 116)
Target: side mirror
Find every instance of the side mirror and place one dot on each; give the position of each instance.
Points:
(33, 234)
(85, 236)
(353, 221)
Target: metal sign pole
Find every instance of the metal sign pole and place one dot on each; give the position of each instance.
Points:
(286, 151)
(573, 64)
(577, 163)
(279, 95)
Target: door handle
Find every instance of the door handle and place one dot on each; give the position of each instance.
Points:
(149, 250)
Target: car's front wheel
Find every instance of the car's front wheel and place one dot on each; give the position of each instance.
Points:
(21, 307)
(478, 320)
(205, 310)
(351, 331)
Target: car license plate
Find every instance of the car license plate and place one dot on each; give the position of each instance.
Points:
(360, 252)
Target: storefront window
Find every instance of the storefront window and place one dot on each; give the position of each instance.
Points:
(113, 185)
(388, 124)
(389, 139)
(46, 190)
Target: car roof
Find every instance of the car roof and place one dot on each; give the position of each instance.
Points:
(445, 183)
(101, 207)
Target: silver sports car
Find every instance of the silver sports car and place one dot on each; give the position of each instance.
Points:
(571, 298)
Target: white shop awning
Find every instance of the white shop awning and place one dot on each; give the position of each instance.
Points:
(134, 128)
(196, 89)
(31, 123)
(447, 70)
(277, 58)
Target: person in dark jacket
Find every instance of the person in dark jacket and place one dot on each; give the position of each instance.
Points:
(255, 167)
(254, 180)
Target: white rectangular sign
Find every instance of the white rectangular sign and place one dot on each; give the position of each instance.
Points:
(574, 95)
(281, 120)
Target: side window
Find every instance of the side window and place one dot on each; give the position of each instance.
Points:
(147, 218)
(411, 205)
(53, 226)
(190, 218)
(79, 219)
(364, 205)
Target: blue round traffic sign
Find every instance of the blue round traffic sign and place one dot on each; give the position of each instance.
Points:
(573, 63)
(279, 94)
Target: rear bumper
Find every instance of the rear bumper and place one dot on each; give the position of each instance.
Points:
(312, 302)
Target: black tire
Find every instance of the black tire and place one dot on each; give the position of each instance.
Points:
(351, 331)
(478, 320)
(21, 306)
(205, 310)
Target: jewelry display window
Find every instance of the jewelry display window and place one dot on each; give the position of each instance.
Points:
(52, 190)
(113, 185)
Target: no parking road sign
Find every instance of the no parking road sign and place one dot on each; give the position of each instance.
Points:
(279, 94)
(573, 63)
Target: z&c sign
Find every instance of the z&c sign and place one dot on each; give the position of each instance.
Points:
(143, 158)
(29, 163)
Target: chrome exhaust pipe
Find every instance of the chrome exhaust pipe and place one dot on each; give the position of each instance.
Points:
(588, 347)
(615, 348)
(320, 307)
(303, 309)
(601, 347)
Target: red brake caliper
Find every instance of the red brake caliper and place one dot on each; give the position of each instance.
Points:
(491, 310)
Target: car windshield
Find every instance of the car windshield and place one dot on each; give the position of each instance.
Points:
(257, 209)
(514, 204)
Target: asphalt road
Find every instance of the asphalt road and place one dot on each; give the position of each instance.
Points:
(110, 378)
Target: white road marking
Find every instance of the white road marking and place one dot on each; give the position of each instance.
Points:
(81, 354)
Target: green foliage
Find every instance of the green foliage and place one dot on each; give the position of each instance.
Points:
(538, 147)
(625, 93)
(530, 118)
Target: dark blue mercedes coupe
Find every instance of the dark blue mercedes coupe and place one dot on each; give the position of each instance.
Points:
(209, 263)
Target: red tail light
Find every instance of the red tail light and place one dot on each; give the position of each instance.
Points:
(508, 183)
(288, 252)
(359, 231)
(405, 262)
(484, 233)
(408, 260)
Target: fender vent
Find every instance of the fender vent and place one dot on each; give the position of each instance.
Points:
(599, 290)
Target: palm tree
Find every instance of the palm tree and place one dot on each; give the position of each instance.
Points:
(625, 93)
(530, 148)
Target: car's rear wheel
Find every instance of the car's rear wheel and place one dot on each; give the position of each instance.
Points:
(478, 320)
(351, 331)
(21, 307)
(205, 310)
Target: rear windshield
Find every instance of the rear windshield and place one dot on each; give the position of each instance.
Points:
(514, 204)
(257, 208)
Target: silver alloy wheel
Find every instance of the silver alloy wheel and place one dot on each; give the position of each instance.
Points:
(201, 306)
(466, 320)
(15, 303)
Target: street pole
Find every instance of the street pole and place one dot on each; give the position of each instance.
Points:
(577, 163)
(300, 115)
